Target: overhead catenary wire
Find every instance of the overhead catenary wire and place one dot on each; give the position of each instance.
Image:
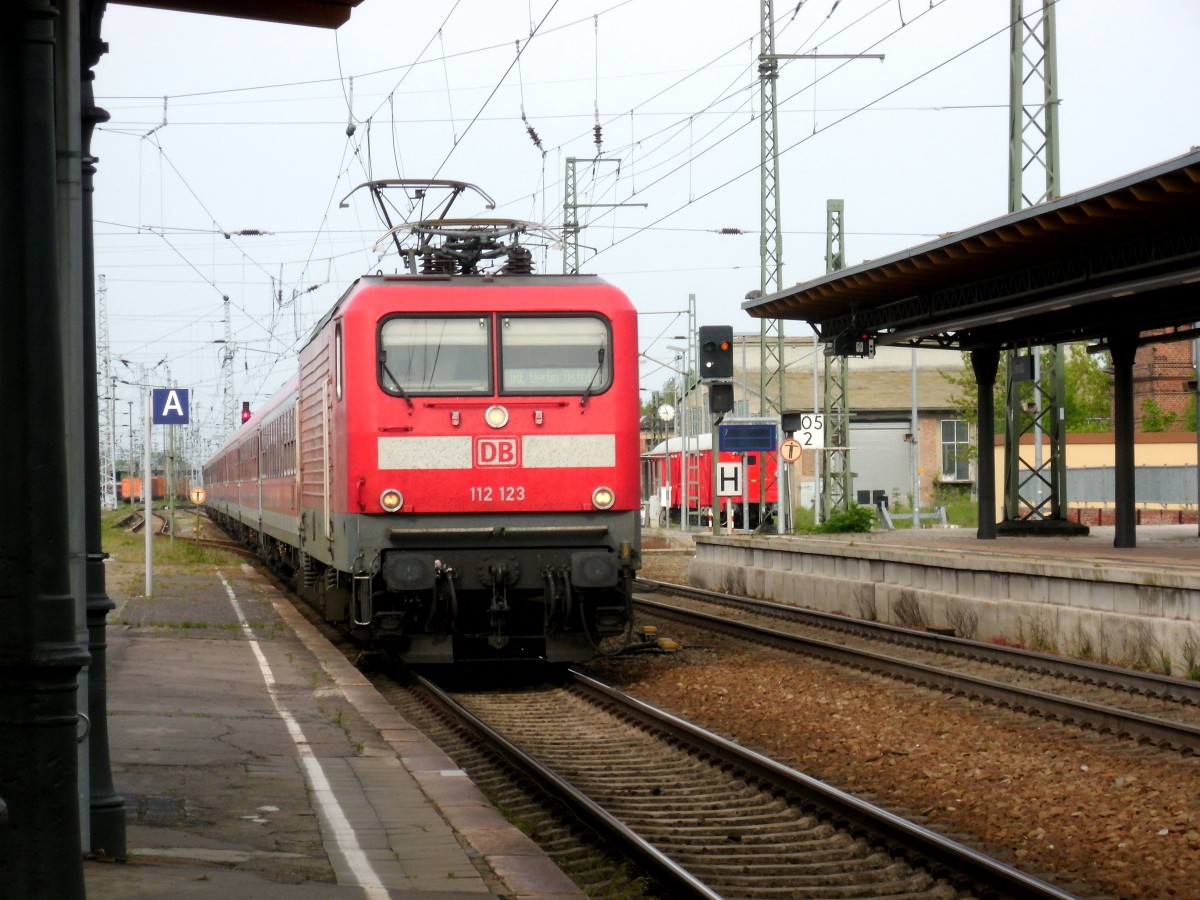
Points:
(733, 179)
(746, 90)
(695, 149)
(529, 129)
(489, 48)
(499, 82)
(596, 129)
(755, 117)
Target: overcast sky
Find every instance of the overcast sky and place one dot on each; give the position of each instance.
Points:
(220, 125)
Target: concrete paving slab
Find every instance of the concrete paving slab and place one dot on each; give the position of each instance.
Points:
(248, 753)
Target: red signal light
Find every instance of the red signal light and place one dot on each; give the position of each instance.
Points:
(245, 411)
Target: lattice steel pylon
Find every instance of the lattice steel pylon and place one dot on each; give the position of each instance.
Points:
(1035, 488)
(570, 220)
(836, 475)
(571, 207)
(771, 340)
(107, 406)
(229, 406)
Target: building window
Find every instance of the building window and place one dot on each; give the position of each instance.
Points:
(956, 442)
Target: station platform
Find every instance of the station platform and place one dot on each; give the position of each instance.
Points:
(1079, 595)
(256, 762)
(1155, 544)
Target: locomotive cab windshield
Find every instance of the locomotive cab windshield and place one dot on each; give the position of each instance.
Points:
(452, 355)
(554, 355)
(442, 355)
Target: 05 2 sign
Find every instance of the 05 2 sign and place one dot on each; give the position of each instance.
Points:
(811, 433)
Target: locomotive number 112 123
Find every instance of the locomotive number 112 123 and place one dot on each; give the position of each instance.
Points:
(501, 494)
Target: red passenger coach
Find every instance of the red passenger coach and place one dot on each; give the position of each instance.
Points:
(453, 474)
(677, 481)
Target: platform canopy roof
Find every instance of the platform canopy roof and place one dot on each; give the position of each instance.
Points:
(1117, 257)
(318, 13)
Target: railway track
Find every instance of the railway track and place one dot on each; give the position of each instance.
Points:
(708, 818)
(1141, 706)
(162, 527)
(597, 866)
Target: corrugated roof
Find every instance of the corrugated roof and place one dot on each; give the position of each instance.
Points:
(1056, 271)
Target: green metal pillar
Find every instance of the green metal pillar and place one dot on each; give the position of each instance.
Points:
(771, 341)
(570, 220)
(40, 654)
(836, 475)
(106, 807)
(1035, 494)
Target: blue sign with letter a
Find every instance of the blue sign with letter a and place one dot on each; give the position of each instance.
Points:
(170, 406)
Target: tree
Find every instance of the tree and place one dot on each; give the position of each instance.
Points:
(666, 396)
(1086, 406)
(965, 398)
(1154, 418)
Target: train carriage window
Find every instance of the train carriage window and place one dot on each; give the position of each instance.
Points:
(435, 355)
(337, 360)
(555, 355)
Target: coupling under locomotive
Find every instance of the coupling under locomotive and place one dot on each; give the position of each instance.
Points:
(453, 473)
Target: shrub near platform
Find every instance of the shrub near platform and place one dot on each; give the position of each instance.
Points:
(858, 519)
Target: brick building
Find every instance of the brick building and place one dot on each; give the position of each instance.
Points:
(1162, 374)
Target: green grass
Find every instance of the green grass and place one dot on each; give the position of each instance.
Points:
(961, 510)
(128, 546)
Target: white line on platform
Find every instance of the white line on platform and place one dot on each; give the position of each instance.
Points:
(331, 811)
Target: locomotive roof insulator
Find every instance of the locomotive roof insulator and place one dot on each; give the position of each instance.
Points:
(432, 264)
(520, 262)
(466, 246)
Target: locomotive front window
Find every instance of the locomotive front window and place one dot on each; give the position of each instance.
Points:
(554, 355)
(434, 355)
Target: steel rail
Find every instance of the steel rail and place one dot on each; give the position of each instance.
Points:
(1123, 723)
(676, 880)
(1147, 683)
(942, 857)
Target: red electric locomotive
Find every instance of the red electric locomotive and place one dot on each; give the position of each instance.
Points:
(453, 474)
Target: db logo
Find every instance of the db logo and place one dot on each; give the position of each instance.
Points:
(496, 452)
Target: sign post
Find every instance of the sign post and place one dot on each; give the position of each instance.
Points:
(148, 501)
(730, 484)
(198, 494)
(165, 406)
(716, 459)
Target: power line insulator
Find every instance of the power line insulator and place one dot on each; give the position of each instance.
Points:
(533, 135)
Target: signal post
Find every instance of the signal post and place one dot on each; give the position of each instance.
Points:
(716, 371)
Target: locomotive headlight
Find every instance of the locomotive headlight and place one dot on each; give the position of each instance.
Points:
(391, 500)
(603, 498)
(496, 416)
